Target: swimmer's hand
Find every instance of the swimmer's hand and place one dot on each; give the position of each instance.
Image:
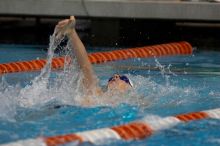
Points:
(65, 27)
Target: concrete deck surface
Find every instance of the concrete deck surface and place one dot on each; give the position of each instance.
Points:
(149, 9)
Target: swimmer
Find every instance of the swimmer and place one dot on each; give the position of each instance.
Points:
(117, 84)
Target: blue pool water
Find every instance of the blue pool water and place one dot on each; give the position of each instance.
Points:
(162, 87)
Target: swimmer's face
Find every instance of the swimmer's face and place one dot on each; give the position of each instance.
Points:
(117, 84)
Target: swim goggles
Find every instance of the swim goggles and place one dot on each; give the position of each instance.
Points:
(123, 78)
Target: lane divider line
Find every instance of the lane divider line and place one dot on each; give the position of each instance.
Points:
(177, 48)
(132, 131)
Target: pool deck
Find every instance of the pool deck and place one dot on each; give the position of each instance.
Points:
(147, 9)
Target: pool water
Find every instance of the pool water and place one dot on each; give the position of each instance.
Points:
(162, 87)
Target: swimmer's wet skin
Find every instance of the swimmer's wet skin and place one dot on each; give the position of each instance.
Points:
(119, 83)
(90, 81)
(123, 78)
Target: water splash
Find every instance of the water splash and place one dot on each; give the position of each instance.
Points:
(34, 94)
(61, 88)
(65, 87)
(8, 100)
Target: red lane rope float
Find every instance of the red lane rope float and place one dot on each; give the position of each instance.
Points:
(192, 116)
(135, 130)
(62, 139)
(131, 131)
(179, 48)
(33, 65)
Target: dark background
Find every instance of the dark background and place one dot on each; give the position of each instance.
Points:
(112, 32)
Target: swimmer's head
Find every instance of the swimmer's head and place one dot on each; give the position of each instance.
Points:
(119, 82)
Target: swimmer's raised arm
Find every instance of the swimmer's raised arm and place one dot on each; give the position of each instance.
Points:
(67, 27)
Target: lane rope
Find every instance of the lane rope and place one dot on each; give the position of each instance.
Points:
(177, 48)
(132, 131)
